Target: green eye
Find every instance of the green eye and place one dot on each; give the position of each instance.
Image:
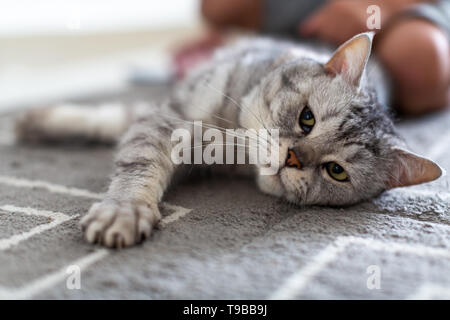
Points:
(306, 120)
(336, 171)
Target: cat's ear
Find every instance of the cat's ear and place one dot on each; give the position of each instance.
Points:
(410, 169)
(350, 59)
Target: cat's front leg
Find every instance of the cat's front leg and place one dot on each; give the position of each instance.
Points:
(129, 211)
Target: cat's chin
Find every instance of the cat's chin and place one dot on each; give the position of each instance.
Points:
(290, 194)
(271, 184)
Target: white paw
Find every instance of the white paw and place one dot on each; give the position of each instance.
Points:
(119, 224)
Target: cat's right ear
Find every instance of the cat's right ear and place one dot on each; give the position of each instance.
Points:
(350, 59)
(410, 169)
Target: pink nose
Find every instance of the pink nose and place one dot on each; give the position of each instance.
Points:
(292, 160)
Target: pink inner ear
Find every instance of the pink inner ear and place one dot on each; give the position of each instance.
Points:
(340, 64)
(411, 169)
(350, 59)
(337, 66)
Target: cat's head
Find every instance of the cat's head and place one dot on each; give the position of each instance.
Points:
(338, 145)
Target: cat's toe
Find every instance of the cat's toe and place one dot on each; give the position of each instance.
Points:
(147, 219)
(96, 221)
(122, 232)
(119, 225)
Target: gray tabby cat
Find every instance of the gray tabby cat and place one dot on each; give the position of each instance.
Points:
(337, 144)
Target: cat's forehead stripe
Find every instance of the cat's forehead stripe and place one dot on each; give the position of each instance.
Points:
(290, 76)
(356, 157)
(287, 82)
(372, 147)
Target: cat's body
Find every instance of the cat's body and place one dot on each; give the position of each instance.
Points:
(330, 114)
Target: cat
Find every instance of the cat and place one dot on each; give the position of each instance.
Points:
(337, 143)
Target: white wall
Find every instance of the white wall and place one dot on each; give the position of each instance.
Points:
(52, 50)
(25, 17)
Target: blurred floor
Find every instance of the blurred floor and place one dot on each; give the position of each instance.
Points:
(222, 238)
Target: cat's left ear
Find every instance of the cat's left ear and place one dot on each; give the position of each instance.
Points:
(350, 59)
(410, 169)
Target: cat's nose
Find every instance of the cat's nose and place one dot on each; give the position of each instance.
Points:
(292, 160)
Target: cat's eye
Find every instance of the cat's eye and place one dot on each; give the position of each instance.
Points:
(306, 120)
(336, 171)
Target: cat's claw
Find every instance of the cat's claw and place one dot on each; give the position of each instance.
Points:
(119, 224)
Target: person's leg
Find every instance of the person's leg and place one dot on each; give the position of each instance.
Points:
(417, 54)
(245, 14)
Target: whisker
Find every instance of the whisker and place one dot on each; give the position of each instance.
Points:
(235, 103)
(224, 130)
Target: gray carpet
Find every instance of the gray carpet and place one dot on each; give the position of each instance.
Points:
(221, 238)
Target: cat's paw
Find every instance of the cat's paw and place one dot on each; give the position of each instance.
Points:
(119, 224)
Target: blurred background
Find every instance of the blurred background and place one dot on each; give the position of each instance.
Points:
(53, 49)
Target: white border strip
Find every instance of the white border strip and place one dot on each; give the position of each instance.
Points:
(50, 187)
(178, 213)
(34, 212)
(57, 219)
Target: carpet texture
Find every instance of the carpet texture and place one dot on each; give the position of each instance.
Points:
(221, 238)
